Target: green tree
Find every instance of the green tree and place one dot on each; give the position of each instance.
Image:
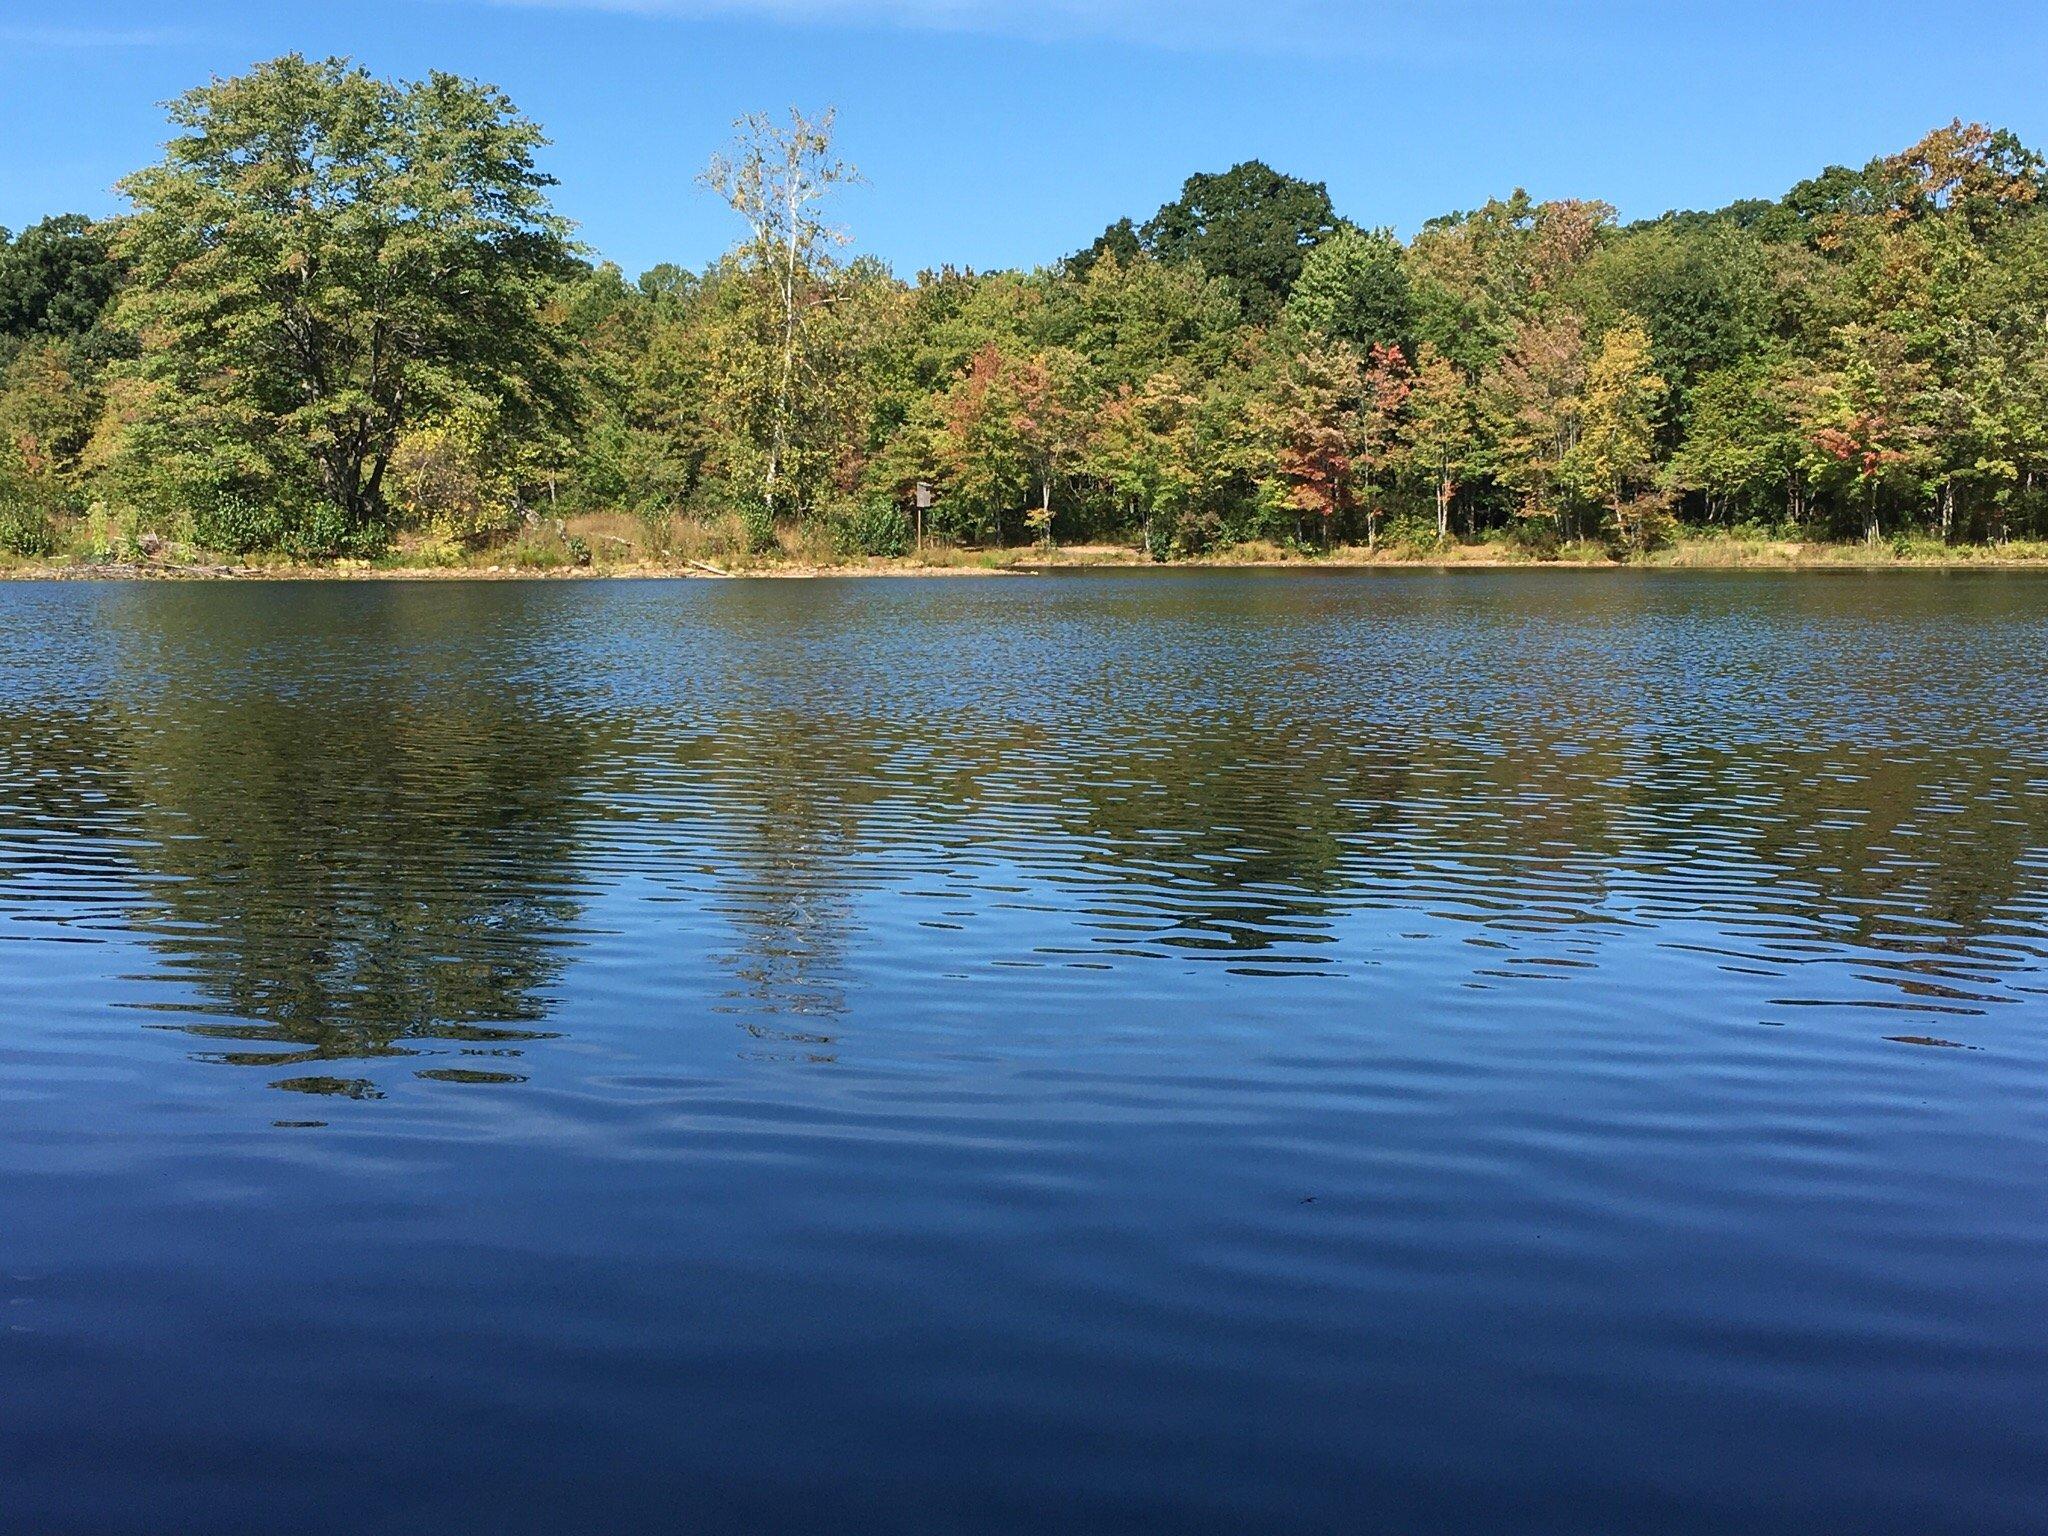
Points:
(1439, 440)
(1143, 450)
(1705, 294)
(1250, 226)
(1120, 241)
(1742, 444)
(1354, 288)
(324, 259)
(56, 278)
(1127, 319)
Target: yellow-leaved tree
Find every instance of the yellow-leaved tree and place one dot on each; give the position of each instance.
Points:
(1614, 460)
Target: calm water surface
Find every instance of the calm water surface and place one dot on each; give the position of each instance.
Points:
(1540, 1051)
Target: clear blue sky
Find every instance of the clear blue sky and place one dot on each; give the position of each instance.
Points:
(1007, 132)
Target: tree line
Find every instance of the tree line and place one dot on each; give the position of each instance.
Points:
(342, 311)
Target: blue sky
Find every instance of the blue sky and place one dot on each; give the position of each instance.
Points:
(1007, 132)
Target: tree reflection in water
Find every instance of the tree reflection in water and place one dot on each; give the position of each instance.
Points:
(364, 823)
(355, 829)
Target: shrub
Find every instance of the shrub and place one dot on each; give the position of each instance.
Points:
(1530, 535)
(438, 481)
(320, 529)
(1161, 531)
(26, 529)
(1410, 534)
(1200, 531)
(874, 528)
(1759, 531)
(759, 526)
(1645, 522)
(235, 524)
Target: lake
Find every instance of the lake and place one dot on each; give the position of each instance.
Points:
(1531, 1051)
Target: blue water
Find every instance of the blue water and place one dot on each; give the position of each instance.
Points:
(1525, 1051)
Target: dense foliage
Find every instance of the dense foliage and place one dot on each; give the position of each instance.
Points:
(342, 309)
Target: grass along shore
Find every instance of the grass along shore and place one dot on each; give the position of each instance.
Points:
(616, 545)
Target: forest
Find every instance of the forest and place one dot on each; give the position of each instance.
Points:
(342, 318)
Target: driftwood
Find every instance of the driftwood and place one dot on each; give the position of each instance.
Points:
(707, 569)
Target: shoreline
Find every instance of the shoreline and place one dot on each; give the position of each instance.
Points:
(1702, 556)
